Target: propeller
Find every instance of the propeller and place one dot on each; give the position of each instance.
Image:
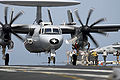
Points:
(7, 27)
(87, 29)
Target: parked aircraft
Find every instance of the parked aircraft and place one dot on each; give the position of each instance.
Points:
(111, 49)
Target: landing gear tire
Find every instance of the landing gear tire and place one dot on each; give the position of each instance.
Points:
(7, 59)
(53, 60)
(48, 60)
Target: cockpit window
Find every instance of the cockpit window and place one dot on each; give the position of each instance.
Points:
(51, 31)
(48, 30)
(56, 31)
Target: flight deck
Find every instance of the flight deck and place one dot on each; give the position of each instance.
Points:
(53, 72)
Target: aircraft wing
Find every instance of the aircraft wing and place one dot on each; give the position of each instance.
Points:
(66, 29)
(69, 29)
(107, 27)
(23, 28)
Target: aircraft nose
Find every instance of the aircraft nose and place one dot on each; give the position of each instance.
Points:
(54, 41)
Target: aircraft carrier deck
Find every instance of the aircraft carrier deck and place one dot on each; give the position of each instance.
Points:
(65, 72)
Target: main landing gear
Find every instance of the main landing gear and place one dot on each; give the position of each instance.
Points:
(74, 57)
(5, 56)
(7, 59)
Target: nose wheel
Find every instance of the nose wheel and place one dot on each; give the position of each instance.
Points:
(49, 60)
(53, 60)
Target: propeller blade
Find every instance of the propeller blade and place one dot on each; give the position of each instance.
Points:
(88, 18)
(18, 36)
(12, 15)
(94, 41)
(1, 24)
(18, 15)
(6, 12)
(70, 17)
(98, 21)
(50, 18)
(77, 15)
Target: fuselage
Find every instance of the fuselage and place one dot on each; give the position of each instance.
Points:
(44, 39)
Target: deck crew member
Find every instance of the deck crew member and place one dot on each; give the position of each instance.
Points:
(104, 56)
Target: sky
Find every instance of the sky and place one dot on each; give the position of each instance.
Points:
(108, 9)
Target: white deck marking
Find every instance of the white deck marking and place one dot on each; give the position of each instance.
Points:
(8, 70)
(71, 74)
(58, 69)
(67, 69)
(45, 71)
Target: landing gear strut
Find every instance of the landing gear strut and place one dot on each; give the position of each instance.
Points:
(3, 52)
(5, 56)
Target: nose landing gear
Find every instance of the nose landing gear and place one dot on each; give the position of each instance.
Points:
(52, 56)
(51, 59)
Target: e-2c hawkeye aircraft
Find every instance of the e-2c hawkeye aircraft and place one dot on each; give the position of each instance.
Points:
(43, 37)
(46, 37)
